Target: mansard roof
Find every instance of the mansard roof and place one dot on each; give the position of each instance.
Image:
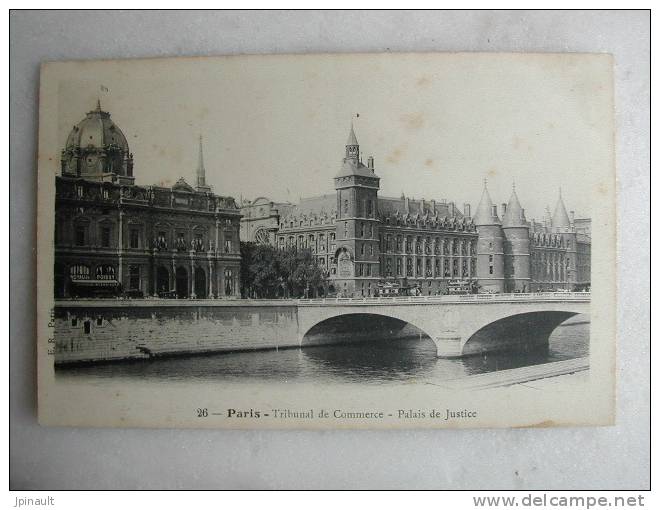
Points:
(312, 206)
(388, 206)
(353, 167)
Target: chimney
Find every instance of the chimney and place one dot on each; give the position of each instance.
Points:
(572, 218)
(443, 201)
(433, 206)
(370, 163)
(422, 205)
(407, 204)
(451, 209)
(503, 208)
(522, 214)
(466, 210)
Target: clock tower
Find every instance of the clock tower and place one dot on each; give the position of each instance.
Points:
(357, 254)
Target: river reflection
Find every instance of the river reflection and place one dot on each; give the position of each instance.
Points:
(372, 362)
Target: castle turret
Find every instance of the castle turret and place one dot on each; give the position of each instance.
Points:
(490, 245)
(560, 220)
(561, 224)
(517, 263)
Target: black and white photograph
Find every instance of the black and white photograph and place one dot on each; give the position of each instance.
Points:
(315, 241)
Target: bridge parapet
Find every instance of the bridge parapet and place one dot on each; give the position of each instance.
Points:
(459, 325)
(582, 297)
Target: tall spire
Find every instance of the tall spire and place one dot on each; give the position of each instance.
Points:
(201, 171)
(560, 219)
(486, 213)
(98, 104)
(352, 146)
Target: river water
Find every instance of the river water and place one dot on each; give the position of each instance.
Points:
(374, 362)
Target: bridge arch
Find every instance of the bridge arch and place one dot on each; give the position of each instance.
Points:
(357, 327)
(521, 331)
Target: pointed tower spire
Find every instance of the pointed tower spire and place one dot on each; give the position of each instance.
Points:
(352, 146)
(486, 213)
(514, 216)
(560, 219)
(201, 171)
(98, 104)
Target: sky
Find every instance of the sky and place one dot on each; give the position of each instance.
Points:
(436, 124)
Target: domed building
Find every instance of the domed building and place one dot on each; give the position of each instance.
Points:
(96, 149)
(113, 237)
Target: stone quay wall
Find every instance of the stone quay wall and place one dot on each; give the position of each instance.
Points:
(106, 331)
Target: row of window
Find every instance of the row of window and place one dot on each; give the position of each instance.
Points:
(79, 272)
(439, 269)
(159, 242)
(363, 269)
(367, 208)
(317, 243)
(550, 266)
(428, 245)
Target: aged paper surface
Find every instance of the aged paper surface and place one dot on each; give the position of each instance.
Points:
(327, 241)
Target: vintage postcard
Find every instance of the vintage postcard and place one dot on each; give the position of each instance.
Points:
(327, 241)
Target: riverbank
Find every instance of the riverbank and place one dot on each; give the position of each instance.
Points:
(540, 375)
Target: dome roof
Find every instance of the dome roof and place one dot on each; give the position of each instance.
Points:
(97, 130)
(515, 214)
(486, 214)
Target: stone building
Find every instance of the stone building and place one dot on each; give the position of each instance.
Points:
(113, 236)
(515, 255)
(260, 219)
(367, 242)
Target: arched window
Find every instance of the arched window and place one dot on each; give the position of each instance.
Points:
(79, 272)
(105, 272)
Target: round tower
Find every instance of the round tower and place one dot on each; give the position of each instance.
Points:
(561, 224)
(517, 260)
(490, 245)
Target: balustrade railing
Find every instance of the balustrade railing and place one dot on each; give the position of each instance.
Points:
(517, 297)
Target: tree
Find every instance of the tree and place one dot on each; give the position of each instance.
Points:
(307, 276)
(265, 270)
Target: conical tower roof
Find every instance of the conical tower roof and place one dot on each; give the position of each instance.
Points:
(515, 214)
(485, 214)
(560, 218)
(352, 139)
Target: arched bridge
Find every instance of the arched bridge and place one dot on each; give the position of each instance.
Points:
(104, 329)
(458, 325)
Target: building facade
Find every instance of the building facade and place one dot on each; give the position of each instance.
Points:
(114, 237)
(366, 242)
